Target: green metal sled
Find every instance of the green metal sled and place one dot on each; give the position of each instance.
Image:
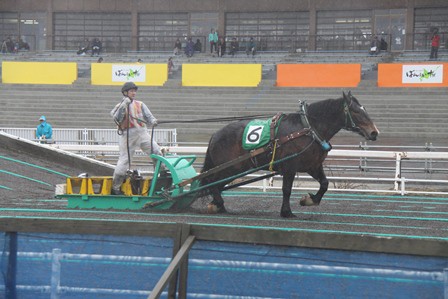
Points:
(163, 191)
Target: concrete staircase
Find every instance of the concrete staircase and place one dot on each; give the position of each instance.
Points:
(399, 112)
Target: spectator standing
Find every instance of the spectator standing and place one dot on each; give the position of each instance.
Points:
(189, 48)
(132, 118)
(221, 46)
(44, 130)
(383, 44)
(251, 47)
(435, 43)
(96, 47)
(177, 47)
(213, 39)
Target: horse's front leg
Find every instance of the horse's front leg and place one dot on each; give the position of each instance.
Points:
(288, 179)
(314, 200)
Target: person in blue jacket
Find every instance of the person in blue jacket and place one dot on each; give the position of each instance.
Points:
(44, 130)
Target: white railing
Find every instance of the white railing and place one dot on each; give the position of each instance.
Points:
(395, 183)
(90, 136)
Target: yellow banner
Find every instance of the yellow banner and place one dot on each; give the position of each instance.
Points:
(217, 75)
(39, 72)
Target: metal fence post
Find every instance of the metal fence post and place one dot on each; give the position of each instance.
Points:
(55, 273)
(403, 187)
(85, 136)
(445, 284)
(10, 282)
(397, 170)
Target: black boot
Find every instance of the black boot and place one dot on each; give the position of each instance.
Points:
(116, 192)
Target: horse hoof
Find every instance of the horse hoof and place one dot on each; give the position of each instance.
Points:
(212, 209)
(307, 201)
(287, 215)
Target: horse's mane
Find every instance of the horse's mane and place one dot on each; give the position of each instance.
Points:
(325, 108)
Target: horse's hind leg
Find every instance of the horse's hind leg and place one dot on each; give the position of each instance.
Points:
(217, 204)
(314, 199)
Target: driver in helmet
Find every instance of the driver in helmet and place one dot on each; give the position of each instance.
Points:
(132, 118)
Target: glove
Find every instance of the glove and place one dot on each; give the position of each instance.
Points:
(155, 123)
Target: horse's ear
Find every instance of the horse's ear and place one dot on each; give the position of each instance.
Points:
(348, 97)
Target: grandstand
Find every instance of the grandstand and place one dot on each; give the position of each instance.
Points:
(408, 113)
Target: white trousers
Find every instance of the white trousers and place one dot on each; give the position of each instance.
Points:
(138, 139)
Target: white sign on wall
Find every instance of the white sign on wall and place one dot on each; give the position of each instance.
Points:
(422, 73)
(128, 72)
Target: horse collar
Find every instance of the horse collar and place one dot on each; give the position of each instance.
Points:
(326, 146)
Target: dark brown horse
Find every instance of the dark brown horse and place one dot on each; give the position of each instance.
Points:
(303, 147)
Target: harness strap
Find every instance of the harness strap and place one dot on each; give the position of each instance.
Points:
(293, 135)
(274, 122)
(271, 164)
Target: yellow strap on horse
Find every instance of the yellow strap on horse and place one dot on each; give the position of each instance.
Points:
(273, 156)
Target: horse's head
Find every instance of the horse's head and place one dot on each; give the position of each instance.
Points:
(357, 119)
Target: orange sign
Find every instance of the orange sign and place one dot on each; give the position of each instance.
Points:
(318, 75)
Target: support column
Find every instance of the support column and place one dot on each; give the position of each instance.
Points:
(49, 27)
(410, 7)
(134, 26)
(313, 26)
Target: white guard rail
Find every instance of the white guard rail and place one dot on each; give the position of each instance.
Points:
(399, 181)
(87, 136)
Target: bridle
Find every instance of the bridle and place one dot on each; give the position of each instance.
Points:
(349, 118)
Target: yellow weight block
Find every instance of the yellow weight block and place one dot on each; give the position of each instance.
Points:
(127, 188)
(76, 185)
(99, 185)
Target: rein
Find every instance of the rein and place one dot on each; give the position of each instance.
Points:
(219, 119)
